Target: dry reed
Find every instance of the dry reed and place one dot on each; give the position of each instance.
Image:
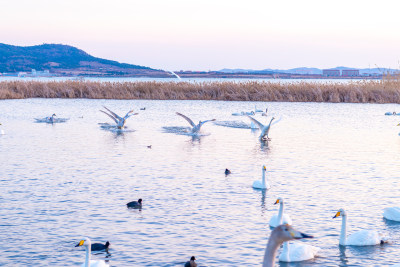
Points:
(369, 91)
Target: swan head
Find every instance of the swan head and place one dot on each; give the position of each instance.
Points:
(264, 168)
(340, 212)
(53, 115)
(278, 201)
(84, 242)
(285, 232)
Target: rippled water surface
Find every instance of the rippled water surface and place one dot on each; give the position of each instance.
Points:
(61, 182)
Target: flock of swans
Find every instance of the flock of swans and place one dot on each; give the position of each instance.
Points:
(282, 231)
(297, 251)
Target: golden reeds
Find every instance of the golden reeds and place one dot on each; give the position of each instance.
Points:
(367, 91)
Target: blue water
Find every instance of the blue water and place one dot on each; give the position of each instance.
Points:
(62, 182)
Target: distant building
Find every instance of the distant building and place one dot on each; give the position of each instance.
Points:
(350, 73)
(331, 73)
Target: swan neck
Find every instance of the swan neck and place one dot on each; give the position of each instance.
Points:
(270, 251)
(87, 259)
(263, 177)
(280, 214)
(343, 231)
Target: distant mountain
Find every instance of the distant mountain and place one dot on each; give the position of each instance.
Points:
(65, 59)
(305, 70)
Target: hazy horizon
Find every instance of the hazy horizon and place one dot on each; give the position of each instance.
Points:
(208, 35)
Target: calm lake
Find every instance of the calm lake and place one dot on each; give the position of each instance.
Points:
(62, 182)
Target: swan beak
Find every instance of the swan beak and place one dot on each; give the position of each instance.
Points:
(276, 202)
(80, 243)
(265, 168)
(298, 235)
(336, 215)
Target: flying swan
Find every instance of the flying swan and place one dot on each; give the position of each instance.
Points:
(280, 234)
(195, 128)
(120, 122)
(359, 238)
(89, 263)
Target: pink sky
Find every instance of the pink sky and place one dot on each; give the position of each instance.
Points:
(211, 35)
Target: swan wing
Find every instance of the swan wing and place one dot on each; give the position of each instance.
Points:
(129, 114)
(364, 238)
(112, 113)
(112, 117)
(276, 121)
(299, 251)
(206, 121)
(259, 124)
(274, 222)
(392, 213)
(186, 118)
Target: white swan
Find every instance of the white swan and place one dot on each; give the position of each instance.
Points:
(87, 243)
(2, 131)
(264, 128)
(120, 122)
(195, 128)
(279, 218)
(392, 213)
(280, 234)
(262, 184)
(297, 251)
(359, 238)
(52, 120)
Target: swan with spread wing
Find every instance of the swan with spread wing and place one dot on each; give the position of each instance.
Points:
(195, 128)
(120, 121)
(264, 128)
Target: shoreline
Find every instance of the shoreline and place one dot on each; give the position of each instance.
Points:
(364, 91)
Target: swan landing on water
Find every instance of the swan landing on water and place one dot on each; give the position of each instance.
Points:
(264, 128)
(195, 128)
(52, 119)
(89, 263)
(120, 122)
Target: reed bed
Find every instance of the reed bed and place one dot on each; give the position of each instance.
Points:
(367, 91)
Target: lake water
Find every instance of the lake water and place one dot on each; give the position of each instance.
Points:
(62, 182)
(173, 79)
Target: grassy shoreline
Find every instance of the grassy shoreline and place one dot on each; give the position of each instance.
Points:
(375, 91)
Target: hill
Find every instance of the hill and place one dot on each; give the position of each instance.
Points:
(66, 60)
